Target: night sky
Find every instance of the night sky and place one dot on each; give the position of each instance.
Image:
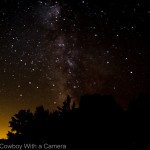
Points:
(50, 49)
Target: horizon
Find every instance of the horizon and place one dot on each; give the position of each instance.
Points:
(5, 127)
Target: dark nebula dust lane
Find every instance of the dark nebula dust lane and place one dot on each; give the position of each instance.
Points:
(50, 49)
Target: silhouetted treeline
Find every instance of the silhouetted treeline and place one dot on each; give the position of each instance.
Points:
(98, 123)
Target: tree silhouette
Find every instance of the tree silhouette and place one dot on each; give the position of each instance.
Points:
(66, 105)
(100, 117)
(98, 122)
(20, 125)
(41, 126)
(21, 121)
(139, 120)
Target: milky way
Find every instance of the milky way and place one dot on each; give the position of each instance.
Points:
(50, 49)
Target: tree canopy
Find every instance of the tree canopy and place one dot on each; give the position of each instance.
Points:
(97, 122)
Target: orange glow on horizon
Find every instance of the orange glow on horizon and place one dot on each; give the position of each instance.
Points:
(3, 132)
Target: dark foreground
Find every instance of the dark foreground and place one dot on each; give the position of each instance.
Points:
(98, 123)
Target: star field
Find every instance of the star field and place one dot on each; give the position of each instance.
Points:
(49, 49)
